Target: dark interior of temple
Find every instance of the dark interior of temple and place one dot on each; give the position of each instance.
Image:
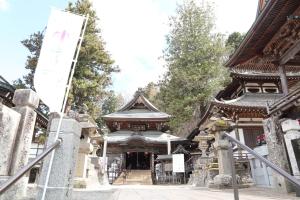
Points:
(138, 160)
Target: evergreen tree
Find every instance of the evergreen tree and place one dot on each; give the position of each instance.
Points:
(234, 40)
(194, 58)
(150, 92)
(33, 44)
(94, 67)
(111, 103)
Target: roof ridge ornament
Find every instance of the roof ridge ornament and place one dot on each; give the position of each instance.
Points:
(139, 92)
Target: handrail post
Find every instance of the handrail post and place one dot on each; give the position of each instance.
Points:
(233, 172)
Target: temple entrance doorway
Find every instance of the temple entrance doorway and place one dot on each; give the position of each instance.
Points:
(138, 160)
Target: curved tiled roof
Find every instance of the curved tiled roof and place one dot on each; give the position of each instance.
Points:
(145, 136)
(138, 95)
(130, 112)
(273, 16)
(137, 114)
(255, 100)
(249, 102)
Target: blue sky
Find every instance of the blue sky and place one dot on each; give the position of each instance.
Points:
(18, 20)
(134, 32)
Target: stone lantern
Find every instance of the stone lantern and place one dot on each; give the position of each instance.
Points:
(221, 144)
(89, 128)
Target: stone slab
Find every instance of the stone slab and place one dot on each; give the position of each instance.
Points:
(26, 97)
(9, 123)
(60, 183)
(68, 126)
(23, 138)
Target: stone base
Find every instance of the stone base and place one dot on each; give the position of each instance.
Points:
(222, 181)
(79, 183)
(198, 178)
(55, 193)
(16, 191)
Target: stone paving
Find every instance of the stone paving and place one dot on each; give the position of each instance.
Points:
(190, 193)
(152, 192)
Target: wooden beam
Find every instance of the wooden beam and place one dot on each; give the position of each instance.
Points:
(290, 53)
(294, 62)
(283, 79)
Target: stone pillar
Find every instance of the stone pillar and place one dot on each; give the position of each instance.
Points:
(82, 162)
(221, 144)
(277, 153)
(104, 162)
(292, 141)
(283, 79)
(25, 101)
(85, 148)
(169, 145)
(9, 123)
(60, 185)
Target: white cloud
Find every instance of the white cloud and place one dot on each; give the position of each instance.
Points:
(234, 15)
(4, 5)
(134, 32)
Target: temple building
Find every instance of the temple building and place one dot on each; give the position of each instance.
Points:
(272, 45)
(137, 134)
(263, 98)
(245, 101)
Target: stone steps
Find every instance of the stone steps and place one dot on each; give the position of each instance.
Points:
(135, 177)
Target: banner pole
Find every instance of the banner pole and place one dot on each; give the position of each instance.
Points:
(64, 106)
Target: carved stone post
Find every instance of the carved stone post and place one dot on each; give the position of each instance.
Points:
(60, 185)
(25, 101)
(277, 153)
(9, 123)
(221, 144)
(85, 148)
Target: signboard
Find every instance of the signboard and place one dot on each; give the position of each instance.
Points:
(168, 167)
(56, 57)
(178, 162)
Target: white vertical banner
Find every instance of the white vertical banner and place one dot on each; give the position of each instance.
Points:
(178, 162)
(56, 57)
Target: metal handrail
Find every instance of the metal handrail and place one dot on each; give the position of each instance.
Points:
(27, 167)
(267, 162)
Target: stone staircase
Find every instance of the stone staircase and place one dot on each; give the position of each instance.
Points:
(135, 177)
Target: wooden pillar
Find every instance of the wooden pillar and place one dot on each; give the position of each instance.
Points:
(283, 79)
